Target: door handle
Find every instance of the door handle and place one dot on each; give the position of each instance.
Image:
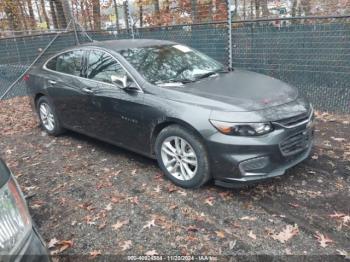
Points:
(51, 82)
(87, 90)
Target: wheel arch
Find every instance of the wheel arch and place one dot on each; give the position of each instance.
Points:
(168, 122)
(37, 97)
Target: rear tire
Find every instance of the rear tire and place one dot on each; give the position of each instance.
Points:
(48, 117)
(182, 157)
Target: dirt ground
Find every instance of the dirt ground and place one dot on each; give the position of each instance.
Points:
(91, 198)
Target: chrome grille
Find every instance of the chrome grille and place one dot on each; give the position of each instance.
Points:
(293, 121)
(296, 143)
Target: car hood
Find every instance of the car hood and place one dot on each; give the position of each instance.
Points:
(237, 91)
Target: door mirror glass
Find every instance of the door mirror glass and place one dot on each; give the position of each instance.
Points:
(121, 81)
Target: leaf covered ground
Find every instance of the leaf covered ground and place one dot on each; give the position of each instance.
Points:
(88, 197)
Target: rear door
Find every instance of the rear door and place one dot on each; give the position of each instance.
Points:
(66, 88)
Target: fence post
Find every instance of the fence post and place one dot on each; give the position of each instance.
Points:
(229, 27)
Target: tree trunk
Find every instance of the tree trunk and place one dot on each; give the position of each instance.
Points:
(116, 15)
(88, 13)
(141, 15)
(125, 7)
(43, 9)
(265, 9)
(31, 14)
(257, 9)
(96, 14)
(83, 13)
(62, 21)
(157, 11)
(39, 13)
(23, 14)
(194, 11)
(53, 14)
(294, 11)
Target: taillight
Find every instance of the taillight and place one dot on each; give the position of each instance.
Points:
(26, 77)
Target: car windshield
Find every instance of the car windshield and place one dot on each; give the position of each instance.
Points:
(171, 64)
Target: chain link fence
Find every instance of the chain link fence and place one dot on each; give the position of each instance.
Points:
(309, 52)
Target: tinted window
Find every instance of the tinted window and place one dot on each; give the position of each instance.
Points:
(102, 66)
(69, 63)
(52, 64)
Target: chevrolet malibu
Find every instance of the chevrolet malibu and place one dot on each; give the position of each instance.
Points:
(165, 100)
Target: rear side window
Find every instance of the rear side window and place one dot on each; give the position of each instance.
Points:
(68, 63)
(101, 66)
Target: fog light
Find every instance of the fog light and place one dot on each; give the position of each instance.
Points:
(254, 164)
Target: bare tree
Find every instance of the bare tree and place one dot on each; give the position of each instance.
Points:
(43, 10)
(53, 14)
(31, 14)
(96, 14)
(12, 13)
(116, 15)
(61, 16)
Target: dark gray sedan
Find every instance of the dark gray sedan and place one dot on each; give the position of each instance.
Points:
(200, 120)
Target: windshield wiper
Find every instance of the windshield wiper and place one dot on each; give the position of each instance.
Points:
(211, 74)
(176, 80)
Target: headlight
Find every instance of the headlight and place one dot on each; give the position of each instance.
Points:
(15, 222)
(242, 129)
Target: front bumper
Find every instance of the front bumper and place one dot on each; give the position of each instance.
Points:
(237, 161)
(32, 250)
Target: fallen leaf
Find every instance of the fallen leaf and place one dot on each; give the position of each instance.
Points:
(95, 253)
(232, 244)
(343, 253)
(248, 218)
(252, 235)
(149, 224)
(294, 205)
(286, 234)
(209, 201)
(192, 229)
(151, 253)
(323, 240)
(109, 207)
(127, 245)
(157, 189)
(172, 189)
(53, 242)
(338, 139)
(120, 224)
(220, 234)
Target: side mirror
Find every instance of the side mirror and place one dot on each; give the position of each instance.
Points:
(120, 80)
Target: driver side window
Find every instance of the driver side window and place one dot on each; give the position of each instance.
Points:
(101, 67)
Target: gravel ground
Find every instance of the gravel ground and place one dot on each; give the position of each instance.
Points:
(91, 198)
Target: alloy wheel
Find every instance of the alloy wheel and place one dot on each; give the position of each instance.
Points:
(47, 117)
(179, 158)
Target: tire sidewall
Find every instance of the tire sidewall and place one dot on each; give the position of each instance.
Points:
(202, 175)
(57, 128)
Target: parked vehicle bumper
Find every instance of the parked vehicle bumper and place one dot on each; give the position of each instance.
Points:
(237, 161)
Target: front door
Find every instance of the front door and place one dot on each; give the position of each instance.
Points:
(116, 112)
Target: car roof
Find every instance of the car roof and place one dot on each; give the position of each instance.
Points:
(117, 45)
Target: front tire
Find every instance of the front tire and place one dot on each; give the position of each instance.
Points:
(182, 157)
(48, 117)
